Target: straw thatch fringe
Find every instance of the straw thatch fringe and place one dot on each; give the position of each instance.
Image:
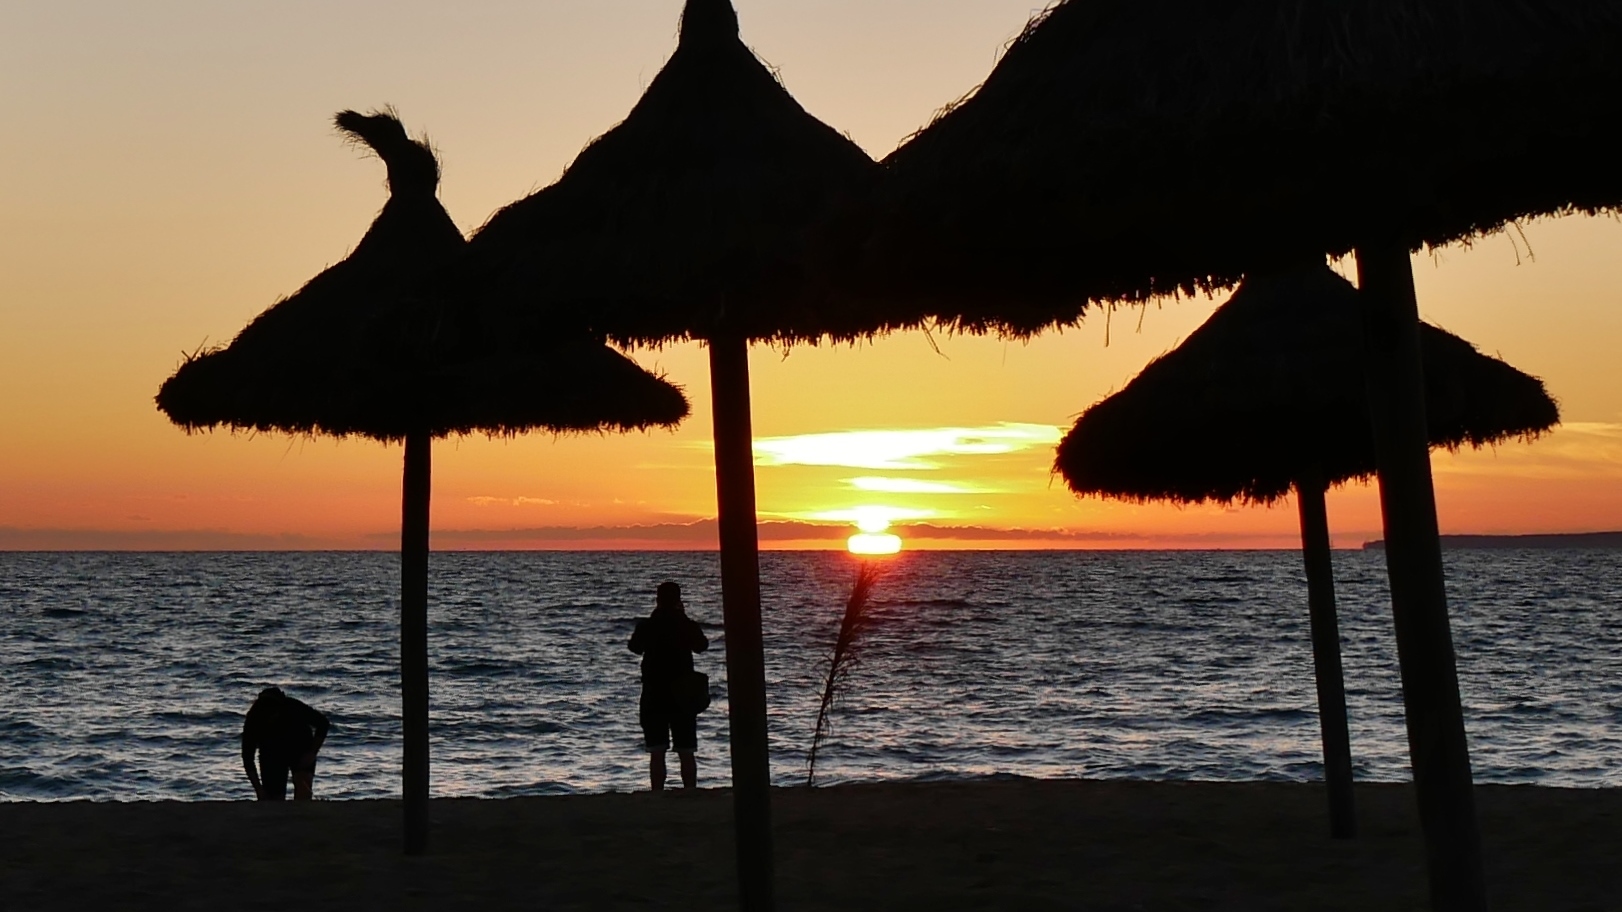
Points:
(1272, 385)
(563, 392)
(1128, 149)
(412, 164)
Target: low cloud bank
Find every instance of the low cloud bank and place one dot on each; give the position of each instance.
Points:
(13, 538)
(697, 535)
(702, 534)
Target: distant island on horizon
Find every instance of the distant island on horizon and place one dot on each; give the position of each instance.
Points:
(1510, 542)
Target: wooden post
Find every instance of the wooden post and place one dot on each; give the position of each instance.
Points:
(1413, 554)
(414, 640)
(1337, 741)
(740, 605)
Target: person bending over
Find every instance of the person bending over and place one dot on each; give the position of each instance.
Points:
(666, 641)
(287, 734)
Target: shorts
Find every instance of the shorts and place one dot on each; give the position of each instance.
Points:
(273, 772)
(662, 725)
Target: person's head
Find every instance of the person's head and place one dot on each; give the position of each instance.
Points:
(269, 697)
(668, 598)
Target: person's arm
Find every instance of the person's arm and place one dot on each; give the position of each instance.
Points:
(319, 725)
(696, 640)
(249, 744)
(639, 642)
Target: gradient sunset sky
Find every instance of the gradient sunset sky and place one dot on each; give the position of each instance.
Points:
(168, 170)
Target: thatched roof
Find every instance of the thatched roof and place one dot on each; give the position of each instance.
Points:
(356, 351)
(1129, 148)
(1273, 384)
(689, 219)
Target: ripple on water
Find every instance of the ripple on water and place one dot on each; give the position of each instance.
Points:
(127, 674)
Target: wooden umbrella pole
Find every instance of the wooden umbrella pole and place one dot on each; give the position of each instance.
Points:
(1337, 742)
(414, 640)
(1413, 553)
(740, 606)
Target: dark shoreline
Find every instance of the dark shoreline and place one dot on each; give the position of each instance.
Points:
(1021, 844)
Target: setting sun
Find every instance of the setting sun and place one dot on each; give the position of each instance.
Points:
(873, 539)
(874, 543)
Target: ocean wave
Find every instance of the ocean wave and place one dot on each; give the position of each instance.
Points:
(1129, 666)
(24, 784)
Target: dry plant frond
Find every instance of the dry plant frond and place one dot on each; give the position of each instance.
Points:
(845, 657)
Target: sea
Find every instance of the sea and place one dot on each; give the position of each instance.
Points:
(125, 676)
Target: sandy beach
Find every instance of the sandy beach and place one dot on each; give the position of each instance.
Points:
(1018, 844)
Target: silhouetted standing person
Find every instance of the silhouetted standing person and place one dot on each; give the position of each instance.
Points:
(287, 734)
(666, 641)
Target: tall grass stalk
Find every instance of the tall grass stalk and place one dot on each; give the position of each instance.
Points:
(844, 658)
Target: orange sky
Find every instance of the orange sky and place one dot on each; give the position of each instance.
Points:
(168, 171)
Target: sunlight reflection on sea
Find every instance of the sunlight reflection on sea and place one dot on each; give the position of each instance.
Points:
(127, 674)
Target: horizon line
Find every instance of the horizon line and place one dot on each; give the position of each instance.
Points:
(698, 536)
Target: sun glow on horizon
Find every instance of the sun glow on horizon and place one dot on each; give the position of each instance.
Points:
(957, 427)
(873, 539)
(869, 544)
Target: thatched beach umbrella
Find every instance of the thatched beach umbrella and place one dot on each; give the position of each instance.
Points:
(1126, 149)
(1268, 395)
(355, 353)
(688, 221)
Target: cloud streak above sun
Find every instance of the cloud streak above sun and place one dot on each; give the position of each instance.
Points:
(868, 517)
(485, 501)
(921, 449)
(882, 485)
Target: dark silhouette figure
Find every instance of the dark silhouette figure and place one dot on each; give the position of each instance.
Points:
(666, 641)
(287, 734)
